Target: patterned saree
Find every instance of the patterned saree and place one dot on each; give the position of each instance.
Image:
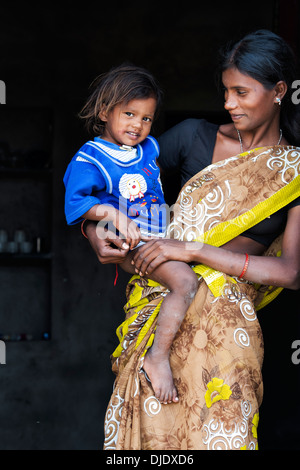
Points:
(217, 355)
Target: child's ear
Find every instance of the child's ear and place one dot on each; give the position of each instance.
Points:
(103, 114)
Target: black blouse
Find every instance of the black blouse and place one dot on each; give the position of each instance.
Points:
(189, 147)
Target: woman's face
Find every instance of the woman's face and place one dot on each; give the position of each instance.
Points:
(248, 102)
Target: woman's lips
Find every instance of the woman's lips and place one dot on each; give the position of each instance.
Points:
(236, 117)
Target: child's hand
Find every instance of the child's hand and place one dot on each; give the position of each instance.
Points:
(109, 214)
(128, 228)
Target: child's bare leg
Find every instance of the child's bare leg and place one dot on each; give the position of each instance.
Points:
(182, 282)
(127, 265)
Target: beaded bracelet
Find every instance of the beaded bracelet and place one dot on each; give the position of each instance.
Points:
(245, 267)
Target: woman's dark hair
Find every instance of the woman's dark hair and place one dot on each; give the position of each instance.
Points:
(266, 57)
(120, 85)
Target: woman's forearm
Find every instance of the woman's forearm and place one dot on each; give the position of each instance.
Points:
(265, 270)
(282, 272)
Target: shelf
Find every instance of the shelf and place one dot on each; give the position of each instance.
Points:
(26, 177)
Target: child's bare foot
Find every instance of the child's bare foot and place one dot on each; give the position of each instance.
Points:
(157, 368)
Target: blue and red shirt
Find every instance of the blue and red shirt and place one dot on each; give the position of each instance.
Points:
(127, 178)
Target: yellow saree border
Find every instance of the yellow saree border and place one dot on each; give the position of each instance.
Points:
(226, 231)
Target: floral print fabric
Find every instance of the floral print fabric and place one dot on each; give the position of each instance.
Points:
(217, 355)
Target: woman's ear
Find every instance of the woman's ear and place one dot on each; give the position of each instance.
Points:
(280, 90)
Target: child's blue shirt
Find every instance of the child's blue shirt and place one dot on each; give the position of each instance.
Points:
(126, 178)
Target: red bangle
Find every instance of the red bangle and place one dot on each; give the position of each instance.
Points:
(245, 267)
(82, 229)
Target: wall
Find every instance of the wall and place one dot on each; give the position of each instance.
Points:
(53, 394)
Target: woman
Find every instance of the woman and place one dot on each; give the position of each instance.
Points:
(237, 221)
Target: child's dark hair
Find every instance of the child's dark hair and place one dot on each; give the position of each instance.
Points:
(120, 85)
(266, 57)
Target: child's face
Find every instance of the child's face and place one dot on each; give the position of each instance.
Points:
(129, 124)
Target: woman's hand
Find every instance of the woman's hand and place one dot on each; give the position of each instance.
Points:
(155, 252)
(109, 217)
(108, 247)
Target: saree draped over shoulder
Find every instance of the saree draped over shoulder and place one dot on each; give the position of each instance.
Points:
(217, 355)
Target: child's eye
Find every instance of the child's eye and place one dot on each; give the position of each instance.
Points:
(128, 113)
(147, 119)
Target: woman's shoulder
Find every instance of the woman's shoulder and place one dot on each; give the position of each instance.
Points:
(189, 129)
(294, 203)
(198, 125)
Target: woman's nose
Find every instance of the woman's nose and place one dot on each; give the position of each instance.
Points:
(230, 103)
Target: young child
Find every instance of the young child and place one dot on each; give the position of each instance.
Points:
(115, 179)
